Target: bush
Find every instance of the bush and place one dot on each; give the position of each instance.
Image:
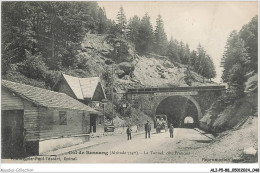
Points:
(16, 76)
(51, 78)
(82, 61)
(33, 66)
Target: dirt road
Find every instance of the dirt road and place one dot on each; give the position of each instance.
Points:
(187, 146)
(160, 148)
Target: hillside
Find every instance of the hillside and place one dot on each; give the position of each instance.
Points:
(117, 63)
(229, 112)
(133, 70)
(97, 56)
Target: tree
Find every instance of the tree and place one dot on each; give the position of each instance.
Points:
(66, 30)
(201, 62)
(186, 57)
(133, 29)
(193, 59)
(121, 21)
(18, 35)
(208, 68)
(160, 41)
(234, 59)
(249, 33)
(51, 30)
(172, 50)
(200, 57)
(235, 53)
(240, 56)
(145, 35)
(181, 52)
(212, 69)
(102, 26)
(112, 27)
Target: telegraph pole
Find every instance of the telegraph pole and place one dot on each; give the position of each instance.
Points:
(112, 93)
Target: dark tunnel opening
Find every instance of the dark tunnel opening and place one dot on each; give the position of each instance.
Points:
(177, 108)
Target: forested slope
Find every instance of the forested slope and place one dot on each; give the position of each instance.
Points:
(240, 62)
(42, 39)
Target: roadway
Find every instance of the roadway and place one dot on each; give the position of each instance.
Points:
(160, 148)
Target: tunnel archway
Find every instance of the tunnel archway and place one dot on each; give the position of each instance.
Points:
(177, 108)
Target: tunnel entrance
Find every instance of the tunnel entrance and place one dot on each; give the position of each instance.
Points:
(177, 108)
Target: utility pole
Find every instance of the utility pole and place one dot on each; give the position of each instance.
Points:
(112, 93)
(52, 30)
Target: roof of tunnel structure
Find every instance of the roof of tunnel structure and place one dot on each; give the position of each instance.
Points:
(177, 89)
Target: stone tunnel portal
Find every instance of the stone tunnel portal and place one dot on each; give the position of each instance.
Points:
(179, 109)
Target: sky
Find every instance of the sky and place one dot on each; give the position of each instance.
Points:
(207, 23)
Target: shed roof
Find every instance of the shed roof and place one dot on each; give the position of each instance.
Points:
(44, 97)
(83, 87)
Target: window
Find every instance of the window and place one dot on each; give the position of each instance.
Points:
(63, 118)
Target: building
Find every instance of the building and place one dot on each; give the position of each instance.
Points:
(88, 91)
(36, 120)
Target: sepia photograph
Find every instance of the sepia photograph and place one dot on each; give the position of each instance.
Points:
(136, 82)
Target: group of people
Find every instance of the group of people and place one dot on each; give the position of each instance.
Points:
(160, 124)
(147, 128)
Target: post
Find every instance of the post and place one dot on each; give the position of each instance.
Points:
(112, 93)
(103, 112)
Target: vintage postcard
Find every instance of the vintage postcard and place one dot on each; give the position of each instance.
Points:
(130, 82)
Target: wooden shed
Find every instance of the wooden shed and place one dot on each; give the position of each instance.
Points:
(36, 120)
(88, 91)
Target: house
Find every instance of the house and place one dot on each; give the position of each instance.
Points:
(88, 91)
(36, 120)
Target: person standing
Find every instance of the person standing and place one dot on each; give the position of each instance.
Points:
(157, 126)
(128, 132)
(171, 129)
(147, 128)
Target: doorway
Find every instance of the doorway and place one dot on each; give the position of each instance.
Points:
(93, 123)
(12, 128)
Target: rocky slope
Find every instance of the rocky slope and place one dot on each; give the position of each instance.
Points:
(132, 70)
(108, 56)
(121, 67)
